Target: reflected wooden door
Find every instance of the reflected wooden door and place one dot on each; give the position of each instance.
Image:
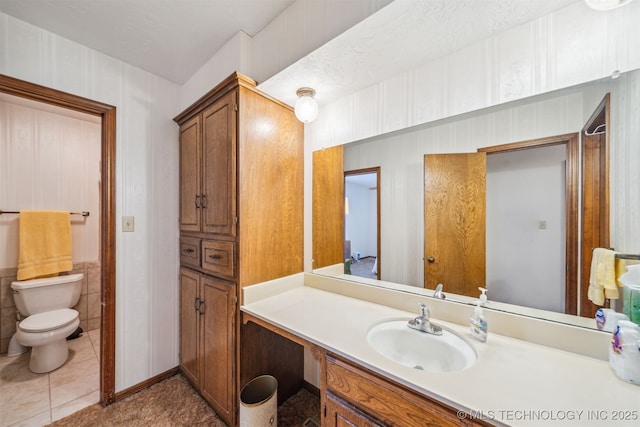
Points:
(454, 222)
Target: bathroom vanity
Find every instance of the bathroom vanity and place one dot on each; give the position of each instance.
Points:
(517, 379)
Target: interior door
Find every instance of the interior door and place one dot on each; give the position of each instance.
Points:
(454, 221)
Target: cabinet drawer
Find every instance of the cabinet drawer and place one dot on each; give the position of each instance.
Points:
(387, 402)
(190, 251)
(217, 257)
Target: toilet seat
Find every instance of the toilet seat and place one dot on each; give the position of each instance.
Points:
(48, 321)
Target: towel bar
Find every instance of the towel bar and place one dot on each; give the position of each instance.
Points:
(83, 213)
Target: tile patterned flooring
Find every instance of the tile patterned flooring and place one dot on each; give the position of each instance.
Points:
(28, 399)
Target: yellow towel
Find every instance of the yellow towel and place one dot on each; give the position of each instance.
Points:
(45, 243)
(605, 270)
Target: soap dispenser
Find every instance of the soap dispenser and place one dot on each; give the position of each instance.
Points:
(478, 322)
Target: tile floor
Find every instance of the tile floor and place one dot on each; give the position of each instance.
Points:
(28, 399)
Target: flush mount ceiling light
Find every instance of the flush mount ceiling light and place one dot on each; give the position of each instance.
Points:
(306, 107)
(606, 4)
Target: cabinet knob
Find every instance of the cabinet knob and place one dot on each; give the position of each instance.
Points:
(187, 250)
(431, 259)
(203, 200)
(197, 202)
(196, 304)
(215, 256)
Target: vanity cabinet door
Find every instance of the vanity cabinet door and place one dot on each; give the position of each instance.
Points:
(341, 414)
(217, 311)
(219, 166)
(189, 324)
(190, 183)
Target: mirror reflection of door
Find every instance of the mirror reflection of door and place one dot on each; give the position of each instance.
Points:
(454, 222)
(362, 222)
(530, 222)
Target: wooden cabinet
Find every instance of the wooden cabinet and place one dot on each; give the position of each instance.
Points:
(241, 223)
(207, 169)
(341, 414)
(355, 396)
(207, 332)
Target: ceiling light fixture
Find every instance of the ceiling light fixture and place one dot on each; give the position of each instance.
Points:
(606, 4)
(306, 106)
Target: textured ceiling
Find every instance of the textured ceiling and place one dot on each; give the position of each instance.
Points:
(169, 38)
(399, 37)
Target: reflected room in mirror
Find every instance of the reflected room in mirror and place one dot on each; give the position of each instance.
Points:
(560, 170)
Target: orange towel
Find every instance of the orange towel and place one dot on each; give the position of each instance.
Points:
(45, 243)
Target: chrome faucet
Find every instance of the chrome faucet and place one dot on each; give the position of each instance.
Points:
(423, 324)
(438, 292)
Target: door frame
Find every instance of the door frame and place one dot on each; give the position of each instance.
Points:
(107, 113)
(365, 171)
(572, 190)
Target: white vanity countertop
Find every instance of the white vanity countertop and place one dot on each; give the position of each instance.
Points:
(513, 382)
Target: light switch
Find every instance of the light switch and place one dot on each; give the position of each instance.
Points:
(127, 223)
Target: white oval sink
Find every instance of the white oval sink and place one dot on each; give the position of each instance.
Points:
(420, 350)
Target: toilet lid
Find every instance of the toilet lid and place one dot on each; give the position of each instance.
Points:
(49, 320)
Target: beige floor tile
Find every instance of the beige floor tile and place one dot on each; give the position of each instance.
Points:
(71, 371)
(29, 399)
(39, 420)
(75, 405)
(13, 392)
(14, 371)
(75, 389)
(80, 349)
(25, 408)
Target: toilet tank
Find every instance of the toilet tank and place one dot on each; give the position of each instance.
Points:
(47, 294)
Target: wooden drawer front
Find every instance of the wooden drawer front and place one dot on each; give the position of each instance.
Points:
(386, 402)
(217, 257)
(190, 251)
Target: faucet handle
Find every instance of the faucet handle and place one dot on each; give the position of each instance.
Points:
(424, 311)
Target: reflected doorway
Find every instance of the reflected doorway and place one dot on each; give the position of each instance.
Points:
(362, 223)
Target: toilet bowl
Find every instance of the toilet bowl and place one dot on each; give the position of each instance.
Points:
(47, 302)
(46, 333)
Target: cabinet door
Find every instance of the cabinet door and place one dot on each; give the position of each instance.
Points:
(189, 324)
(218, 344)
(341, 414)
(219, 166)
(190, 187)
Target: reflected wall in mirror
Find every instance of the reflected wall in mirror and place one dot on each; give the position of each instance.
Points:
(400, 158)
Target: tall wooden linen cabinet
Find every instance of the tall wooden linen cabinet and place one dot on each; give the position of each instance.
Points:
(241, 223)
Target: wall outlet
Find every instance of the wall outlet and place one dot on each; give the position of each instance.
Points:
(127, 223)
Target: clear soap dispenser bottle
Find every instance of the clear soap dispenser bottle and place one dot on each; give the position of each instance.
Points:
(478, 323)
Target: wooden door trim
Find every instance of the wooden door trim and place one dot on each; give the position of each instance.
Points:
(34, 92)
(571, 201)
(376, 170)
(595, 222)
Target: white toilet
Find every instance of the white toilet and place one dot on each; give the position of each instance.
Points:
(47, 303)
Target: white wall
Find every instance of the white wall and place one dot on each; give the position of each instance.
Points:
(360, 225)
(146, 185)
(570, 46)
(50, 160)
(298, 30)
(526, 263)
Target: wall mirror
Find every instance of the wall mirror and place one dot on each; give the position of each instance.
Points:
(539, 226)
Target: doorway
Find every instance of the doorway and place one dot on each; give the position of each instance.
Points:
(107, 114)
(362, 222)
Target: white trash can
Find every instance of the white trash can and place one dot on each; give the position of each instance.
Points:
(259, 402)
